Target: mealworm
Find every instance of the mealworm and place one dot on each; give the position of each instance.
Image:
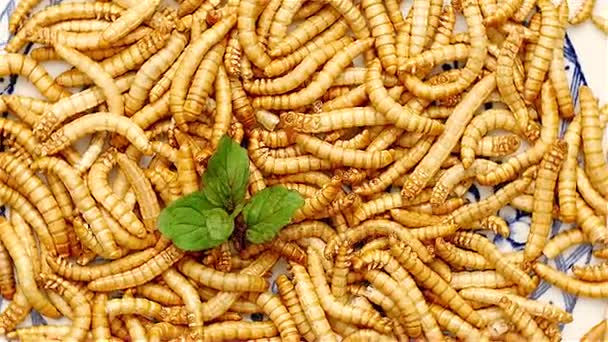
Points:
(152, 70)
(223, 112)
(96, 122)
(383, 33)
(11, 63)
(100, 77)
(77, 301)
(191, 299)
(567, 175)
(456, 325)
(584, 12)
(144, 307)
(455, 127)
(73, 271)
(309, 299)
(193, 55)
(544, 189)
(557, 73)
(590, 223)
(129, 20)
(524, 10)
(509, 270)
(289, 297)
(247, 13)
(563, 241)
(221, 280)
(593, 198)
(320, 84)
(117, 207)
(543, 51)
(139, 275)
(471, 71)
(509, 168)
(202, 81)
(282, 18)
(595, 164)
(434, 57)
(485, 279)
(595, 273)
(339, 310)
(306, 31)
(25, 272)
(7, 279)
(504, 78)
(522, 320)
(434, 282)
(299, 74)
(320, 200)
(600, 22)
(455, 175)
(241, 104)
(60, 12)
(283, 64)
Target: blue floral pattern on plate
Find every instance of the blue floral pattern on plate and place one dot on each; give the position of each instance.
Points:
(519, 221)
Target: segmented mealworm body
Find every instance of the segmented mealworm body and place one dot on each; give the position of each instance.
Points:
(383, 33)
(543, 51)
(282, 18)
(456, 325)
(11, 63)
(320, 84)
(392, 110)
(118, 64)
(600, 22)
(152, 70)
(283, 64)
(60, 12)
(590, 223)
(221, 280)
(595, 163)
(129, 20)
(97, 122)
(471, 70)
(33, 188)
(544, 190)
(139, 275)
(522, 320)
(455, 127)
(291, 80)
(509, 270)
(101, 190)
(78, 302)
(25, 272)
(309, 300)
(509, 169)
(306, 31)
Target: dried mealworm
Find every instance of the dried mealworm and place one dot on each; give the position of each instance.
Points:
(191, 299)
(583, 13)
(593, 198)
(522, 320)
(247, 14)
(590, 223)
(485, 279)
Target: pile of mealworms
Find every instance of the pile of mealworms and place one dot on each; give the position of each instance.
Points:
(345, 102)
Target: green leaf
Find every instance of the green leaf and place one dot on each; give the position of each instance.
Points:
(194, 224)
(227, 174)
(269, 211)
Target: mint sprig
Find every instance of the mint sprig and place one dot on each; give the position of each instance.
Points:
(205, 219)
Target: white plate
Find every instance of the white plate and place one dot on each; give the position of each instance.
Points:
(586, 51)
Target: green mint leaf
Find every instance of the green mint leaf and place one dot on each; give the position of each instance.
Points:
(225, 180)
(269, 211)
(194, 224)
